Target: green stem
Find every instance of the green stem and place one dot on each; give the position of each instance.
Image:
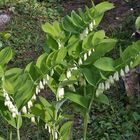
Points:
(10, 133)
(87, 114)
(38, 129)
(85, 125)
(18, 133)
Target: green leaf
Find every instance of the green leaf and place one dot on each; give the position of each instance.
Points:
(48, 28)
(76, 98)
(105, 64)
(41, 62)
(51, 43)
(5, 55)
(69, 25)
(61, 55)
(1, 138)
(98, 36)
(137, 23)
(33, 70)
(103, 7)
(1, 71)
(77, 19)
(75, 48)
(65, 130)
(102, 99)
(91, 74)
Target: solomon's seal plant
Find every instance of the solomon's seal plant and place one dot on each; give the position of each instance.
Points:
(76, 69)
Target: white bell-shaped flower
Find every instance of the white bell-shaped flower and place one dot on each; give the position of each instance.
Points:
(91, 26)
(80, 62)
(60, 92)
(107, 85)
(111, 80)
(14, 115)
(89, 52)
(47, 77)
(127, 69)
(46, 126)
(49, 129)
(122, 73)
(34, 97)
(24, 109)
(56, 135)
(116, 76)
(41, 85)
(44, 81)
(68, 74)
(52, 72)
(85, 56)
(33, 119)
(37, 90)
(86, 31)
(30, 104)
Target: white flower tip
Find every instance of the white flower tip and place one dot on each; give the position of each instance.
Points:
(33, 119)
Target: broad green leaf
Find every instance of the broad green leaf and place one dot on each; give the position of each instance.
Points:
(61, 55)
(65, 130)
(33, 70)
(76, 98)
(48, 28)
(44, 101)
(103, 7)
(105, 64)
(5, 55)
(91, 74)
(75, 48)
(41, 63)
(98, 36)
(136, 61)
(51, 43)
(68, 25)
(103, 99)
(77, 19)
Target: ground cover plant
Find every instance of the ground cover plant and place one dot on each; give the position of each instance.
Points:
(76, 83)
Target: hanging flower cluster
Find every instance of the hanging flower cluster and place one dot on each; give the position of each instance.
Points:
(39, 87)
(54, 132)
(12, 108)
(87, 29)
(86, 55)
(107, 84)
